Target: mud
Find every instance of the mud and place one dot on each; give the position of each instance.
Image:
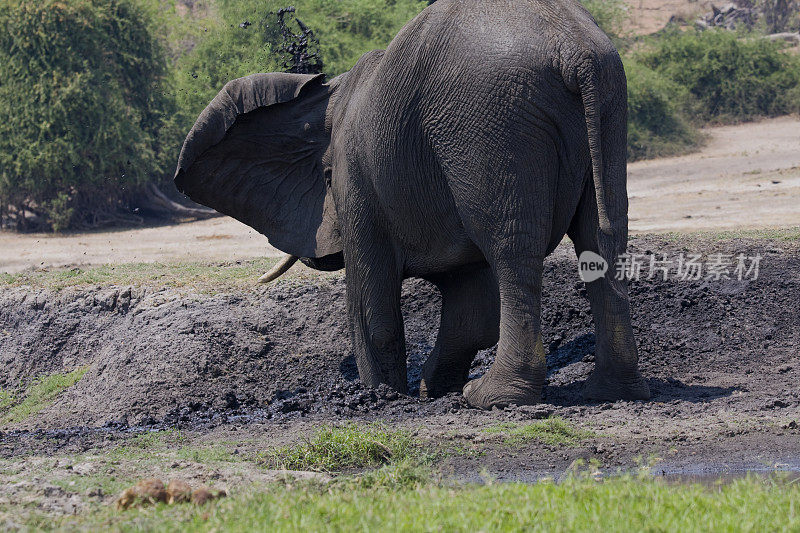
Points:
(721, 358)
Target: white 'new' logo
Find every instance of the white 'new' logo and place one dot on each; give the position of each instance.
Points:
(591, 266)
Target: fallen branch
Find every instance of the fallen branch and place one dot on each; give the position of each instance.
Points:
(784, 36)
(161, 202)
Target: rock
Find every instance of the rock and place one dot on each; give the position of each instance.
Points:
(146, 491)
(535, 411)
(783, 36)
(202, 495)
(730, 17)
(775, 403)
(178, 491)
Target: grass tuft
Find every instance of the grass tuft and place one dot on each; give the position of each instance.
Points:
(335, 448)
(405, 474)
(202, 276)
(551, 431)
(41, 393)
(790, 234)
(7, 399)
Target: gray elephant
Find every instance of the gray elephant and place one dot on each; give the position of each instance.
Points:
(461, 154)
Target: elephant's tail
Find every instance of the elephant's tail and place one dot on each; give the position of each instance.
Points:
(608, 175)
(588, 85)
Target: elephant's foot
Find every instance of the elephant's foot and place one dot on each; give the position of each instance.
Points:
(602, 386)
(490, 391)
(435, 388)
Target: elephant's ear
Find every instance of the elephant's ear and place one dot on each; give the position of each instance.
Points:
(255, 153)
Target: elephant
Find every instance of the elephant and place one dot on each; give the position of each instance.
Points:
(462, 154)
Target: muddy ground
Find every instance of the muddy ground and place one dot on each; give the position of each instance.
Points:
(266, 367)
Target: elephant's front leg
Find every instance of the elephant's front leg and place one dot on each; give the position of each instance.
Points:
(373, 299)
(616, 375)
(470, 322)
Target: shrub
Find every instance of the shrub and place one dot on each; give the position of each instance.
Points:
(246, 40)
(728, 77)
(79, 108)
(656, 124)
(610, 15)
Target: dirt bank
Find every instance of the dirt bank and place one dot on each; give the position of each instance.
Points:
(721, 358)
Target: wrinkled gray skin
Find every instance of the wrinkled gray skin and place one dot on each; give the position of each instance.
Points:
(461, 154)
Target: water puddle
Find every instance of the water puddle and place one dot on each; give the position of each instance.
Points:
(706, 474)
(713, 474)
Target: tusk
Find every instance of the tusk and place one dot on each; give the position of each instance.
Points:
(279, 269)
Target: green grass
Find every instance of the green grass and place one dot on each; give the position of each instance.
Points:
(148, 443)
(7, 399)
(195, 275)
(550, 431)
(108, 484)
(405, 474)
(172, 443)
(39, 394)
(579, 504)
(207, 454)
(769, 234)
(349, 446)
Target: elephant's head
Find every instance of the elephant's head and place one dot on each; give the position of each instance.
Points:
(259, 153)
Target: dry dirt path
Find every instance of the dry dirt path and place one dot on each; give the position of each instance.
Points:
(747, 176)
(218, 239)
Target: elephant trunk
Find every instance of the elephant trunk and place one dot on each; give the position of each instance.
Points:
(279, 269)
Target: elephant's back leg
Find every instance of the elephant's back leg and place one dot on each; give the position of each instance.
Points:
(506, 201)
(616, 375)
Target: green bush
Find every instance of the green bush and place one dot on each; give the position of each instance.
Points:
(231, 48)
(729, 78)
(346, 30)
(610, 15)
(80, 109)
(656, 124)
